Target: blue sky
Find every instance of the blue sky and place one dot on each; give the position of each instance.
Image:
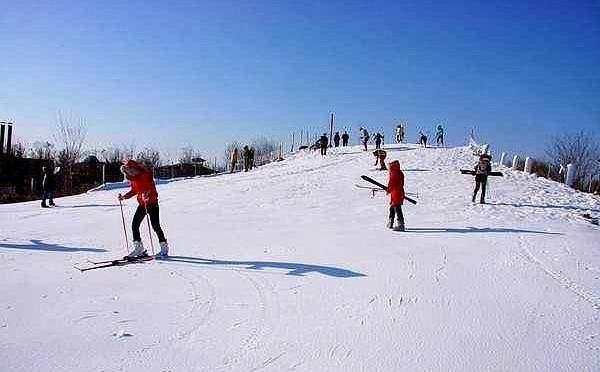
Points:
(179, 73)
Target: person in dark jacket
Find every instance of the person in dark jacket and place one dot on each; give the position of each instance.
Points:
(48, 185)
(364, 136)
(378, 140)
(482, 170)
(251, 158)
(422, 139)
(246, 154)
(345, 138)
(323, 143)
(336, 139)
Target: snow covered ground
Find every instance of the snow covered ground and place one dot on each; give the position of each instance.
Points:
(290, 267)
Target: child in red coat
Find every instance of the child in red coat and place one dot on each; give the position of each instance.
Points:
(142, 186)
(395, 188)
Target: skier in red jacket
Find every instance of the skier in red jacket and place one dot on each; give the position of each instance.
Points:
(142, 185)
(395, 188)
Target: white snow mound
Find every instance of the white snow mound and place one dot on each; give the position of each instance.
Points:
(291, 267)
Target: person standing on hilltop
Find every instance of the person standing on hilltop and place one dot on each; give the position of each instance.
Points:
(482, 170)
(422, 139)
(395, 189)
(345, 138)
(336, 139)
(378, 140)
(323, 143)
(399, 134)
(233, 158)
(246, 156)
(143, 187)
(364, 136)
(439, 135)
(251, 158)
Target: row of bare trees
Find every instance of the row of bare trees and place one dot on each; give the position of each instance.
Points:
(69, 137)
(580, 149)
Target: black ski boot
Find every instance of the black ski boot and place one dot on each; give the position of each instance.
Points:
(400, 226)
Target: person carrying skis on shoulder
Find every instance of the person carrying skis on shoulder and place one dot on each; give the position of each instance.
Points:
(143, 187)
(364, 136)
(482, 170)
(439, 135)
(345, 138)
(395, 189)
(336, 139)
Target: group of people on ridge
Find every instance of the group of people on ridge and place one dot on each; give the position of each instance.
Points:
(439, 137)
(247, 155)
(344, 137)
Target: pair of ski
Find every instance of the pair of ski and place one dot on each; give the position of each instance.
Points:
(93, 265)
(384, 188)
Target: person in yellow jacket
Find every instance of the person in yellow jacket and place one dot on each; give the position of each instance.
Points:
(233, 158)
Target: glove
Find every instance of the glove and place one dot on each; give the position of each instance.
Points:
(120, 197)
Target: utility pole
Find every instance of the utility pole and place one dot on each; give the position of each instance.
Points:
(331, 132)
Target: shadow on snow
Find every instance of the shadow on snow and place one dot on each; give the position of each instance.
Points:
(566, 207)
(38, 245)
(470, 229)
(294, 268)
(87, 206)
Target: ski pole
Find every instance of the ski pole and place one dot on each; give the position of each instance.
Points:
(124, 227)
(149, 231)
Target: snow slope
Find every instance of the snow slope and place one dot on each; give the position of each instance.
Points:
(290, 267)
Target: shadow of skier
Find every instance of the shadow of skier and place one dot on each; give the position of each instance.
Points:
(565, 207)
(38, 245)
(470, 229)
(297, 269)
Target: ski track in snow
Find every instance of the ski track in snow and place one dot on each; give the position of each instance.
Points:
(290, 267)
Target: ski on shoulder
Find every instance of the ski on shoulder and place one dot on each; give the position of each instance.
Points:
(382, 186)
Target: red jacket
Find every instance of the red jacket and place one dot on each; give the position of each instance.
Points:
(396, 184)
(142, 184)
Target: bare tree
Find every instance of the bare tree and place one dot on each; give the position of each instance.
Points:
(113, 155)
(229, 150)
(150, 158)
(263, 149)
(42, 150)
(580, 149)
(19, 148)
(69, 135)
(186, 155)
